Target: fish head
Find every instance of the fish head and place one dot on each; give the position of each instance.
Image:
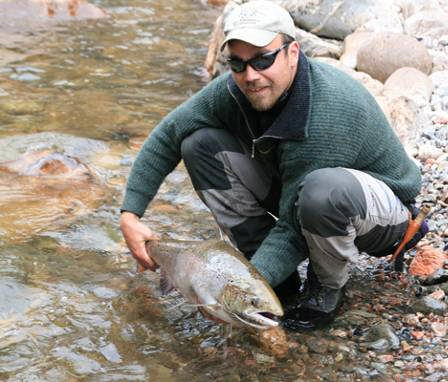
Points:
(256, 306)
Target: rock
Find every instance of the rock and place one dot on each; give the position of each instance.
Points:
(417, 335)
(428, 151)
(352, 44)
(373, 86)
(403, 115)
(7, 56)
(49, 181)
(442, 365)
(214, 62)
(411, 7)
(386, 52)
(427, 305)
(274, 341)
(381, 337)
(317, 345)
(314, 46)
(386, 358)
(217, 3)
(439, 59)
(32, 11)
(427, 261)
(427, 25)
(438, 294)
(21, 107)
(440, 329)
(439, 276)
(339, 18)
(410, 83)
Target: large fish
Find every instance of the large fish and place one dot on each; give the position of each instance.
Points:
(221, 280)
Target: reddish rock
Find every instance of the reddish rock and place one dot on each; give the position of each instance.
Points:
(59, 10)
(417, 334)
(427, 261)
(438, 294)
(274, 341)
(386, 358)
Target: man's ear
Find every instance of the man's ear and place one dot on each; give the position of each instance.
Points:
(294, 49)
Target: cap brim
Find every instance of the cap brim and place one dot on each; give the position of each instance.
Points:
(254, 37)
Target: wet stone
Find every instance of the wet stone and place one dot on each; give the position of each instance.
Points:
(26, 77)
(317, 345)
(382, 337)
(381, 367)
(21, 107)
(428, 304)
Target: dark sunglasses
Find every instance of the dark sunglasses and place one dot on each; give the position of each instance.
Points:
(258, 63)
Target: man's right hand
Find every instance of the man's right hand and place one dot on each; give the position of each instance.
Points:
(136, 234)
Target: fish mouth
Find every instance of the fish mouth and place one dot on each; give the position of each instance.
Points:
(258, 320)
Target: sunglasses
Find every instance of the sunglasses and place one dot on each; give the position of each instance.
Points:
(258, 63)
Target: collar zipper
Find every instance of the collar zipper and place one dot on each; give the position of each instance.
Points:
(246, 121)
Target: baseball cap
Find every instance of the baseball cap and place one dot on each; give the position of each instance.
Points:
(257, 22)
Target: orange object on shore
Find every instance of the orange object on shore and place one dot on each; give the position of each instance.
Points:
(427, 261)
(413, 227)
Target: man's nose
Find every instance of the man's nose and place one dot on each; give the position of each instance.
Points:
(251, 74)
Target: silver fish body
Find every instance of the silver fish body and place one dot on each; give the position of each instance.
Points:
(220, 279)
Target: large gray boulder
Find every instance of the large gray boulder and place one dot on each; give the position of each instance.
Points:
(386, 52)
(339, 18)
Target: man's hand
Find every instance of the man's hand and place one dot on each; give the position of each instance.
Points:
(136, 234)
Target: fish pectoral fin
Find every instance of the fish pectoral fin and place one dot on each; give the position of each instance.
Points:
(204, 298)
(166, 286)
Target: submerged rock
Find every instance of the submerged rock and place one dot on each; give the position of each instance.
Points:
(13, 12)
(45, 181)
(381, 337)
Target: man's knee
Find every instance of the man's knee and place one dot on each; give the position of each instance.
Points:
(327, 199)
(207, 142)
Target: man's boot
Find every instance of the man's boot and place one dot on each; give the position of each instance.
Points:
(317, 305)
(288, 291)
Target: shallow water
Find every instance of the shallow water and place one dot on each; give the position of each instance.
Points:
(72, 306)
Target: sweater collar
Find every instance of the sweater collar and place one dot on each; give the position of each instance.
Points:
(291, 122)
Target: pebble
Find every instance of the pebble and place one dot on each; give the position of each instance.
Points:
(439, 329)
(381, 367)
(382, 337)
(417, 334)
(26, 77)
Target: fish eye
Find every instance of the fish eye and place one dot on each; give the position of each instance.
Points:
(254, 301)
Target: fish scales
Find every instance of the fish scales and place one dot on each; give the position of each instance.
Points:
(221, 280)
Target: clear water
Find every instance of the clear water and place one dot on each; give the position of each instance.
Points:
(72, 307)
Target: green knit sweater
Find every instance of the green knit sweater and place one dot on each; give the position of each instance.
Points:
(330, 120)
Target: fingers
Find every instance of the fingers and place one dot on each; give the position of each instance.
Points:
(136, 234)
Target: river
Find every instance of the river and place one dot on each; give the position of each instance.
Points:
(77, 100)
(72, 307)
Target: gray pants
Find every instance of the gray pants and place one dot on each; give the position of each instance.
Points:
(341, 212)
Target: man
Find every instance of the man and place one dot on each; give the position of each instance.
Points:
(294, 159)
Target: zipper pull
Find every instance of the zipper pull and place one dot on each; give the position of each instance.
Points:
(253, 149)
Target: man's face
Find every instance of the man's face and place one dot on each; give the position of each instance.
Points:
(263, 88)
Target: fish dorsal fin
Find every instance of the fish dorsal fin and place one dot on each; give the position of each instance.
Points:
(166, 286)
